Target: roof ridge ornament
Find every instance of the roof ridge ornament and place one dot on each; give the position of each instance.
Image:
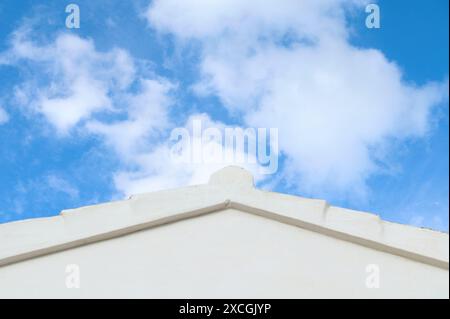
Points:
(232, 175)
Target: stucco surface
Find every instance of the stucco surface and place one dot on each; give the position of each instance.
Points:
(224, 254)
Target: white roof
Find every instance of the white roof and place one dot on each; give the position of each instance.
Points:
(231, 187)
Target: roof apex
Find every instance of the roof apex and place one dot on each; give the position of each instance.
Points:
(230, 187)
(232, 175)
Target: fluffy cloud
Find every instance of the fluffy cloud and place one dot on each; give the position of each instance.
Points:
(69, 79)
(146, 117)
(290, 65)
(167, 166)
(248, 20)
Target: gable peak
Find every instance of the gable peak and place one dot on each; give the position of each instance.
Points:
(233, 176)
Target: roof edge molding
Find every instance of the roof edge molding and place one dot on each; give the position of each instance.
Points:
(230, 187)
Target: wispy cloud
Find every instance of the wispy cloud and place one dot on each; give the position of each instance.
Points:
(59, 184)
(3, 116)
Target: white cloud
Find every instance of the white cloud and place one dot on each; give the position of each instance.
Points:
(246, 20)
(161, 168)
(146, 117)
(290, 65)
(69, 79)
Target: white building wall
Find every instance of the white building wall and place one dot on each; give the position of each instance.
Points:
(227, 254)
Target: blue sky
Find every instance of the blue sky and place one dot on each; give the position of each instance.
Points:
(362, 114)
